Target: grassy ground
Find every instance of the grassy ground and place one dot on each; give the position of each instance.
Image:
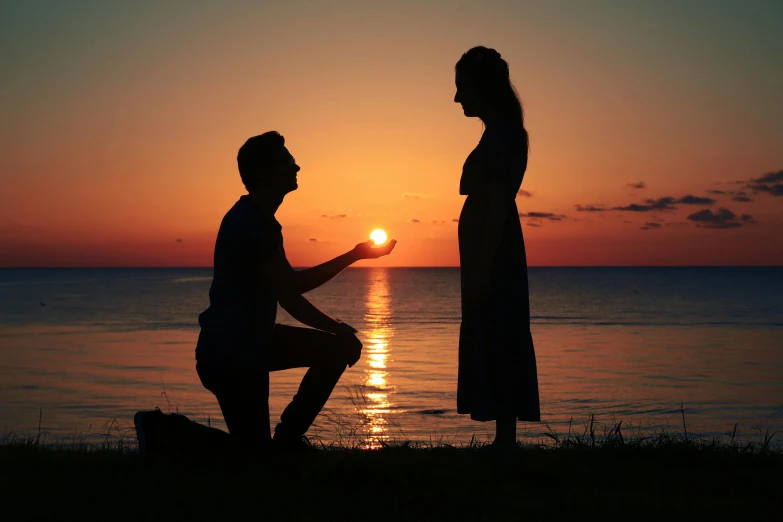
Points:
(580, 475)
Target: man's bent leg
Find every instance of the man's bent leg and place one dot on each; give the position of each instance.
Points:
(319, 351)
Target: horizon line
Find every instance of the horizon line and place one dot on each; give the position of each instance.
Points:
(87, 267)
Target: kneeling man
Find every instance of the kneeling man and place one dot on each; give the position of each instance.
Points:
(240, 343)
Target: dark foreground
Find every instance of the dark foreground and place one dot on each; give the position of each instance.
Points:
(680, 481)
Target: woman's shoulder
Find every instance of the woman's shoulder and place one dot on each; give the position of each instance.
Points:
(505, 133)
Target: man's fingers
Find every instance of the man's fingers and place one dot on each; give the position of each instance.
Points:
(389, 247)
(384, 250)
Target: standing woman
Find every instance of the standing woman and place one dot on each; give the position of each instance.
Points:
(497, 363)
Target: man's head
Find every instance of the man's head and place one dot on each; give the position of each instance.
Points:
(265, 165)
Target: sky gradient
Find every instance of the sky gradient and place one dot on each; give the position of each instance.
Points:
(656, 127)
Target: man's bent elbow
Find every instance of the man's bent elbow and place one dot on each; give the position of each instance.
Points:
(288, 298)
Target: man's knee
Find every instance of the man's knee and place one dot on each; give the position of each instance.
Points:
(307, 347)
(333, 358)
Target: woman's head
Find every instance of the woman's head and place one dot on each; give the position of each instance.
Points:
(484, 87)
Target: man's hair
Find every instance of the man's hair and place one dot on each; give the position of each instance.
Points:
(256, 156)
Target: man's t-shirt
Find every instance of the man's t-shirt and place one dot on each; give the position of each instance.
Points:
(242, 312)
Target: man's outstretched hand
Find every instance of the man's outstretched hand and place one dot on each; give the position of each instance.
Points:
(366, 250)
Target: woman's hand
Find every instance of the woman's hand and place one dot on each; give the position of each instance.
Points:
(367, 251)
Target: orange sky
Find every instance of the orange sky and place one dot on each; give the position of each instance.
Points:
(120, 126)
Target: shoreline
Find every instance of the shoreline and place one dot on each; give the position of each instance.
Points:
(350, 432)
(673, 478)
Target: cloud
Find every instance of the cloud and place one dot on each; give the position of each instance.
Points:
(437, 222)
(415, 221)
(695, 200)
(532, 224)
(649, 205)
(525, 194)
(455, 220)
(770, 177)
(775, 190)
(543, 215)
(640, 185)
(739, 195)
(650, 225)
(313, 239)
(591, 208)
(335, 216)
(178, 240)
(721, 220)
(771, 183)
(416, 195)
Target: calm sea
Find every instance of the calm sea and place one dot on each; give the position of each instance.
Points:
(90, 347)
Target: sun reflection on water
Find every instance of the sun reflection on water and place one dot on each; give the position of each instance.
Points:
(376, 388)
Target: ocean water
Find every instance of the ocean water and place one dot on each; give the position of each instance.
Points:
(81, 350)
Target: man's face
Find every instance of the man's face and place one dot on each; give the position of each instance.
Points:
(283, 173)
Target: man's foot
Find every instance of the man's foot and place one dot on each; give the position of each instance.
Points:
(148, 430)
(296, 445)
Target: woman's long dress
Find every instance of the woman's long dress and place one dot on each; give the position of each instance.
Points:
(497, 362)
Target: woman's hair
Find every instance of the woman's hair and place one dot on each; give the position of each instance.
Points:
(489, 73)
(256, 155)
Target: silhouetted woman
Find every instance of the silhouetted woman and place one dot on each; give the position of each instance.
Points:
(497, 363)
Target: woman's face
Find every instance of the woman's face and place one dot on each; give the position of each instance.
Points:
(467, 96)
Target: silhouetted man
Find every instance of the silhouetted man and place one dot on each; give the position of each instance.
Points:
(240, 343)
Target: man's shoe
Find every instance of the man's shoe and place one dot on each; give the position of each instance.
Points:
(293, 445)
(148, 430)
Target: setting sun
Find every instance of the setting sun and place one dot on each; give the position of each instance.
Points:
(379, 236)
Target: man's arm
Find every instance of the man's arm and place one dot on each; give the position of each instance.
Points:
(306, 313)
(310, 278)
(277, 273)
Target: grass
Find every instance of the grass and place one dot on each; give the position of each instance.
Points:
(593, 471)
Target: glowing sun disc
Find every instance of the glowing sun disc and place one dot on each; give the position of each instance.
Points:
(379, 236)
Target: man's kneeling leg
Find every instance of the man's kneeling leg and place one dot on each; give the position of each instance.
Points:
(242, 392)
